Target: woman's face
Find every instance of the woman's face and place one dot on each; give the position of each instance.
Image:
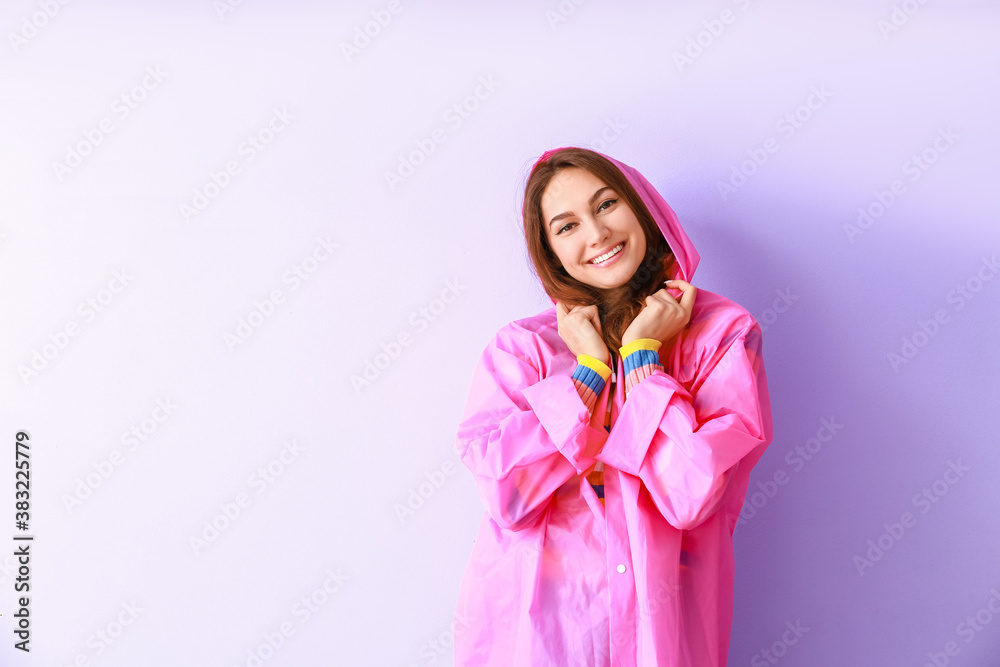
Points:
(585, 221)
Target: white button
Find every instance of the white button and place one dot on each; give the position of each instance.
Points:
(621, 569)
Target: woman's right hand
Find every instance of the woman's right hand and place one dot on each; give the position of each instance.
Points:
(580, 329)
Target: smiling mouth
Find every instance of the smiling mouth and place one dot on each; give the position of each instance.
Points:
(597, 261)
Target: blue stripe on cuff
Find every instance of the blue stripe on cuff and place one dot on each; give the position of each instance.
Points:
(589, 377)
(640, 358)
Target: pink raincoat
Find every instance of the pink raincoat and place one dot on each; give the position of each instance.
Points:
(555, 577)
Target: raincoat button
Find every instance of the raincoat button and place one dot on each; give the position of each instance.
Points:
(621, 569)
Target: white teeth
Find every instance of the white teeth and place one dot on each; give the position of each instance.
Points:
(617, 249)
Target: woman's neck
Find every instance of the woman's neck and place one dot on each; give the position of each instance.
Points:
(613, 297)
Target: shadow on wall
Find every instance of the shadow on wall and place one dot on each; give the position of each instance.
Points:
(864, 484)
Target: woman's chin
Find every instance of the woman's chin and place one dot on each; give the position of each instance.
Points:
(612, 279)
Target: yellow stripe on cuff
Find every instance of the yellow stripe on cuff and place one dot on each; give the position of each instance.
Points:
(640, 344)
(594, 364)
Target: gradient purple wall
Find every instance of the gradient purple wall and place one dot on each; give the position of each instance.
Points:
(314, 240)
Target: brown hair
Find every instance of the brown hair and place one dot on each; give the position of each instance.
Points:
(618, 307)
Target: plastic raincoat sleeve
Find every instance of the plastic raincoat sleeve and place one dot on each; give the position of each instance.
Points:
(685, 446)
(522, 437)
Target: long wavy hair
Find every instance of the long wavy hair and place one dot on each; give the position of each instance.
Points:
(616, 307)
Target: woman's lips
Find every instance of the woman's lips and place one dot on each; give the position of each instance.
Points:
(611, 259)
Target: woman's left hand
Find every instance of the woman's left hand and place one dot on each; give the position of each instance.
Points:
(663, 316)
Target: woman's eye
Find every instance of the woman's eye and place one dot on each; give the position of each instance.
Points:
(564, 228)
(606, 201)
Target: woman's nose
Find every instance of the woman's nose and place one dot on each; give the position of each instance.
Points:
(598, 232)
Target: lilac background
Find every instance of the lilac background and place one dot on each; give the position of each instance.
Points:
(595, 73)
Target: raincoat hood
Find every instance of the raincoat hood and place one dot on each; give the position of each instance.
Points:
(686, 256)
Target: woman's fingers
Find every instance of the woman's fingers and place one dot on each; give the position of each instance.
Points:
(688, 292)
(595, 318)
(587, 313)
(687, 300)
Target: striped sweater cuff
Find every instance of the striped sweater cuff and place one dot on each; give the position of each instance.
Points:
(589, 377)
(640, 359)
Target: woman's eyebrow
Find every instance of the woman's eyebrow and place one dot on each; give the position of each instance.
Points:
(593, 198)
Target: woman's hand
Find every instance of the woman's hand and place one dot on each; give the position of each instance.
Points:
(580, 329)
(663, 316)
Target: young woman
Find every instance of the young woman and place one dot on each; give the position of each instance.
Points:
(611, 438)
